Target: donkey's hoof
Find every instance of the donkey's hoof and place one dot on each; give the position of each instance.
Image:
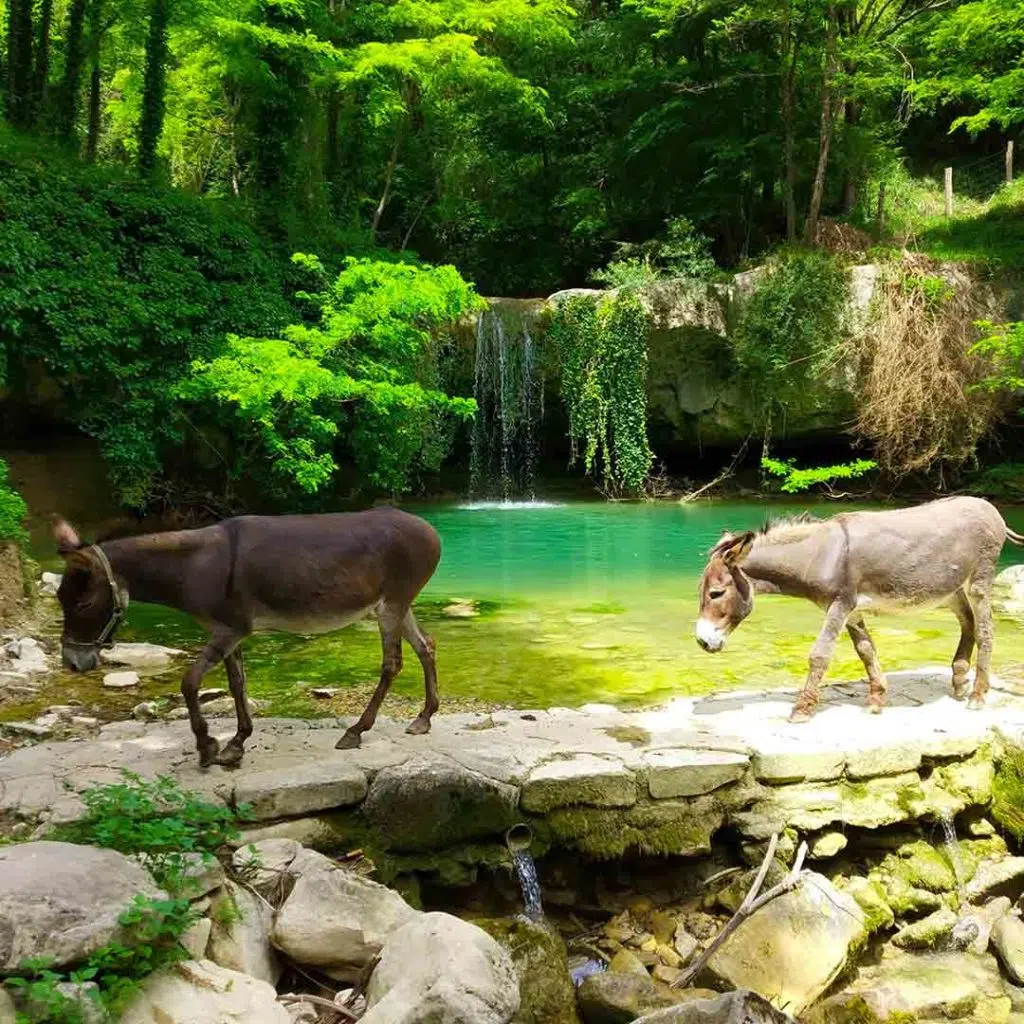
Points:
(976, 704)
(349, 740)
(875, 709)
(418, 727)
(230, 756)
(799, 717)
(959, 692)
(208, 751)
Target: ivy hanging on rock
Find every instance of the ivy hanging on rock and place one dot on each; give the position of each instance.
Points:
(602, 348)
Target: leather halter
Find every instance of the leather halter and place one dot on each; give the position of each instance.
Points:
(105, 639)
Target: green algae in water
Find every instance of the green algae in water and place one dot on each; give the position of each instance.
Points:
(574, 604)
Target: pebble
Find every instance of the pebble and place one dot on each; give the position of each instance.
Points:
(211, 693)
(325, 692)
(146, 711)
(120, 680)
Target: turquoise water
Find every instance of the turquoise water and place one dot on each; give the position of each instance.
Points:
(574, 603)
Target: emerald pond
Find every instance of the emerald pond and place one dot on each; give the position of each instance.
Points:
(574, 603)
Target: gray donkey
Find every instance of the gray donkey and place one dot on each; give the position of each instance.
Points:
(942, 552)
(301, 574)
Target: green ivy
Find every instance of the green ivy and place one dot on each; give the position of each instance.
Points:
(602, 348)
(790, 329)
(12, 510)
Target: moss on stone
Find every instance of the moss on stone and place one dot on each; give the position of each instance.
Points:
(871, 898)
(922, 866)
(631, 734)
(1008, 793)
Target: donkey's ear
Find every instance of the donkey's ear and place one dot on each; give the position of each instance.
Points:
(65, 536)
(738, 548)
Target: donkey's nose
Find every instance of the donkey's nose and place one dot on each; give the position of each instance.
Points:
(79, 660)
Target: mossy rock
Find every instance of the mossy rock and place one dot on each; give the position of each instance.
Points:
(546, 993)
(921, 866)
(905, 899)
(1008, 793)
(871, 898)
(931, 932)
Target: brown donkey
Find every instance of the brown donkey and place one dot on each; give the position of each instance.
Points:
(942, 552)
(300, 574)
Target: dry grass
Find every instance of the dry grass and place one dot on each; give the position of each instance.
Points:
(916, 401)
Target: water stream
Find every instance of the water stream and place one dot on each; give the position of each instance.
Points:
(509, 392)
(526, 873)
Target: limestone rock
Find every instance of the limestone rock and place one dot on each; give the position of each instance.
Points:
(582, 779)
(920, 987)
(1008, 591)
(974, 929)
(146, 711)
(425, 805)
(62, 901)
(546, 993)
(930, 932)
(676, 773)
(139, 656)
(313, 786)
(615, 997)
(870, 897)
(200, 992)
(336, 919)
(240, 940)
(794, 947)
(997, 878)
(225, 706)
(202, 874)
(626, 961)
(196, 938)
(266, 865)
(1008, 941)
(6, 1007)
(49, 583)
(685, 944)
(440, 968)
(27, 656)
(732, 1008)
(120, 680)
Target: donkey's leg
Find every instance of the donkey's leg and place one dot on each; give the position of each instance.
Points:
(962, 659)
(231, 753)
(878, 686)
(981, 601)
(219, 646)
(423, 645)
(389, 621)
(821, 655)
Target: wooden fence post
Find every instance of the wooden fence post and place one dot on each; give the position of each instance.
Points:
(949, 191)
(1009, 162)
(881, 207)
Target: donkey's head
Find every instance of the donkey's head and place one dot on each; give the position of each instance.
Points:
(92, 600)
(726, 596)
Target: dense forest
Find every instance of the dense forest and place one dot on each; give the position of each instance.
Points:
(230, 232)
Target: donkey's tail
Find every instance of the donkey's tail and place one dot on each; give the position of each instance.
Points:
(1016, 538)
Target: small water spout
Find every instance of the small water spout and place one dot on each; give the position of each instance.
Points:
(519, 839)
(953, 852)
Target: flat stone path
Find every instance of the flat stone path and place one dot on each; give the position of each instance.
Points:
(737, 746)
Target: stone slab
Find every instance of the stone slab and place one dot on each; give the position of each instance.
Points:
(316, 786)
(580, 780)
(675, 773)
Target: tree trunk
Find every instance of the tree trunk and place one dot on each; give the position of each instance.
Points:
(19, 63)
(67, 118)
(788, 97)
(851, 113)
(154, 87)
(389, 177)
(96, 30)
(825, 138)
(332, 161)
(41, 71)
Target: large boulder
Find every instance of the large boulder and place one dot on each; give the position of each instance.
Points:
(618, 997)
(1008, 942)
(240, 938)
(795, 946)
(732, 1008)
(423, 805)
(439, 969)
(61, 901)
(1008, 592)
(200, 992)
(336, 919)
(920, 987)
(546, 993)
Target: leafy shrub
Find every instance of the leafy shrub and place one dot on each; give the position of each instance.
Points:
(795, 480)
(682, 252)
(790, 330)
(12, 510)
(155, 821)
(602, 347)
(363, 383)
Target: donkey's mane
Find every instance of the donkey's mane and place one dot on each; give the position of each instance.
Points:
(789, 528)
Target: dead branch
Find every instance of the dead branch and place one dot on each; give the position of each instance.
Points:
(750, 905)
(326, 1004)
(724, 475)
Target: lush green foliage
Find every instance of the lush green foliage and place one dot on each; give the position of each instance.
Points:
(602, 349)
(12, 510)
(364, 379)
(795, 481)
(790, 331)
(682, 252)
(1003, 345)
(157, 821)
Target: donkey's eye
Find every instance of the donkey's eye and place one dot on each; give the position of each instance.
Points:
(716, 594)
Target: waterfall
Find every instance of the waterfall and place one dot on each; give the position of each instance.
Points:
(509, 392)
(526, 872)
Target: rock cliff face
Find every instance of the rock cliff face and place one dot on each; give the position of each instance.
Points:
(693, 399)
